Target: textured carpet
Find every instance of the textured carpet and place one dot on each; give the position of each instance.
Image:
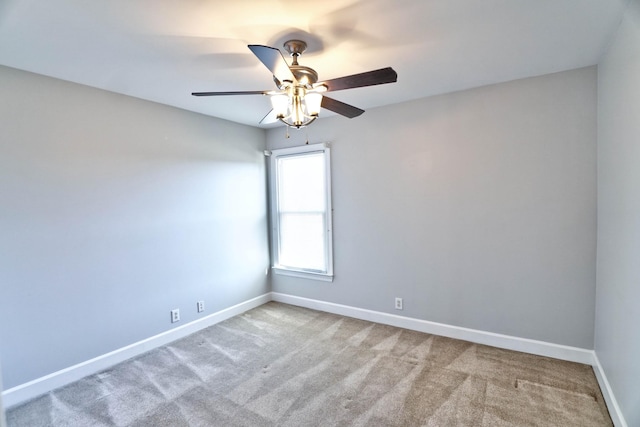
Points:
(280, 365)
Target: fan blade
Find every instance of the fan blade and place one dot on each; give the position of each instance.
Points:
(340, 107)
(269, 118)
(246, 92)
(369, 78)
(272, 59)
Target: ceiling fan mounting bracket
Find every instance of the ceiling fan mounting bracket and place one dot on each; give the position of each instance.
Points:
(295, 47)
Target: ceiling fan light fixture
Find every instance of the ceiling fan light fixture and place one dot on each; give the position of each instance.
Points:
(297, 109)
(298, 117)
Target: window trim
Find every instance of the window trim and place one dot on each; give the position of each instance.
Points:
(273, 209)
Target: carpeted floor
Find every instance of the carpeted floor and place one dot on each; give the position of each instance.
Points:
(280, 365)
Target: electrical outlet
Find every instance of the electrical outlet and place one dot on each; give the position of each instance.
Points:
(398, 303)
(200, 306)
(175, 315)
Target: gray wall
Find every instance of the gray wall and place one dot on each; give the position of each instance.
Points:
(113, 211)
(477, 207)
(618, 280)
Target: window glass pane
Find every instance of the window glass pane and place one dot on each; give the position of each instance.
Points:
(302, 241)
(301, 183)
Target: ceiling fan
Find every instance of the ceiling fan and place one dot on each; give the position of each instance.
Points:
(299, 97)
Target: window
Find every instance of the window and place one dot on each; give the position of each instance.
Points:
(300, 197)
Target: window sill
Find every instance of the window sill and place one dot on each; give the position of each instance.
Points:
(303, 274)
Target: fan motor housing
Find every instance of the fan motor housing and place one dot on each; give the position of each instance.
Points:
(305, 75)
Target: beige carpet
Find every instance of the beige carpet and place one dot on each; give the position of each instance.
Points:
(280, 365)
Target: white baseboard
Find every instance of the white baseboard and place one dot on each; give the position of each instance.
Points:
(607, 393)
(37, 387)
(27, 391)
(541, 348)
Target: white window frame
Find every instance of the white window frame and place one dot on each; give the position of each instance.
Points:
(328, 214)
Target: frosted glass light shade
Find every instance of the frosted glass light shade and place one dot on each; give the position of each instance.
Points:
(313, 101)
(280, 105)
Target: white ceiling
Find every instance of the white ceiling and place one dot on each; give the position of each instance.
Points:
(162, 50)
